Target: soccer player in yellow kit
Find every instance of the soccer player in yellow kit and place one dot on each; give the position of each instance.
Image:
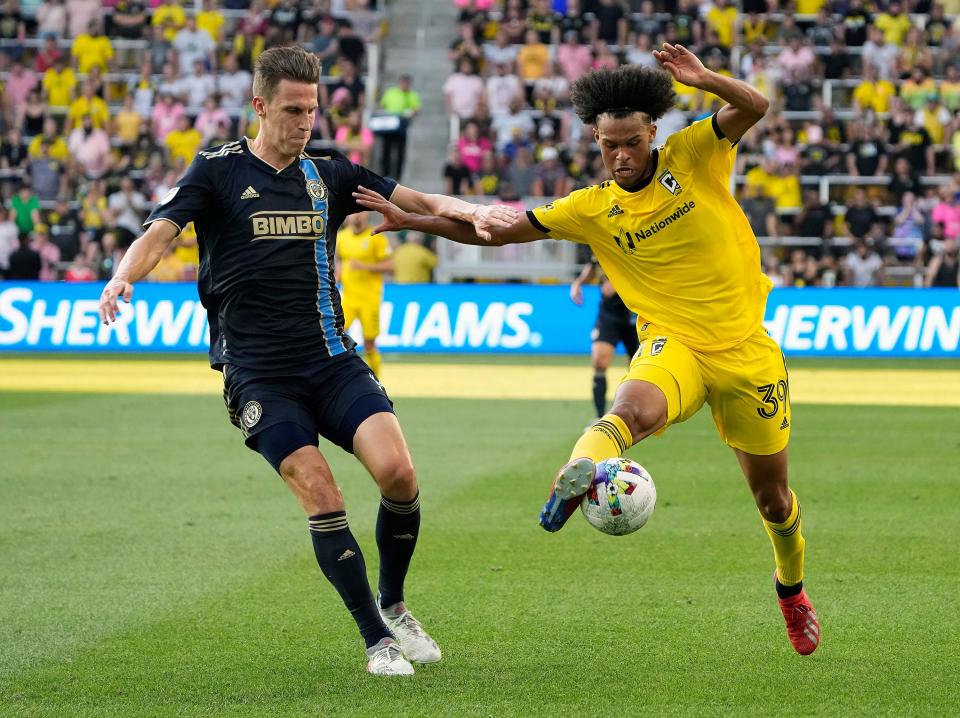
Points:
(364, 259)
(681, 254)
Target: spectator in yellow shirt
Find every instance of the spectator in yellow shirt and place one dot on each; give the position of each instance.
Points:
(918, 89)
(91, 49)
(87, 104)
(184, 142)
(169, 268)
(722, 17)
(127, 122)
(873, 93)
(170, 16)
(784, 188)
(56, 143)
(59, 83)
(950, 89)
(809, 7)
(533, 58)
(211, 20)
(413, 263)
(894, 23)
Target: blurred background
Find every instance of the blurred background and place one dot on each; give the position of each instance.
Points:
(850, 181)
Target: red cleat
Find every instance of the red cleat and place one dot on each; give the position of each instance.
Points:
(803, 626)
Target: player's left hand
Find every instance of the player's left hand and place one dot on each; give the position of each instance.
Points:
(685, 67)
(394, 218)
(487, 217)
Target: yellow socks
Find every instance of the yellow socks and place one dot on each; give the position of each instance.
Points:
(373, 361)
(788, 545)
(607, 438)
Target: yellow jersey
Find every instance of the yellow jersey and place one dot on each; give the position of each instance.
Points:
(59, 86)
(94, 106)
(183, 145)
(91, 52)
(678, 250)
(361, 286)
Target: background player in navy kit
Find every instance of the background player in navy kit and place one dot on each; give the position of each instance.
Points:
(615, 324)
(267, 216)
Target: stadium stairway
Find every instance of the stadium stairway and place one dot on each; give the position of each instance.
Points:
(417, 44)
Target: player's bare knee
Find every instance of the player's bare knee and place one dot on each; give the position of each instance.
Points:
(398, 479)
(641, 419)
(313, 486)
(774, 502)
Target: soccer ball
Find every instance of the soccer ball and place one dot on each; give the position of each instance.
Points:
(621, 498)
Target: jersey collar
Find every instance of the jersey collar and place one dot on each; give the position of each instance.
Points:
(263, 163)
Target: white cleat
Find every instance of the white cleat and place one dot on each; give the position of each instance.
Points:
(417, 646)
(386, 659)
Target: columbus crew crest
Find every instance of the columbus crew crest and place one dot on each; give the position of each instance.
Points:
(316, 189)
(252, 411)
(669, 182)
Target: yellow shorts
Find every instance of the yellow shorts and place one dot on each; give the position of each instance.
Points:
(746, 386)
(369, 316)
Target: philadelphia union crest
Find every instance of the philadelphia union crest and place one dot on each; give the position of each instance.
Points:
(252, 411)
(316, 189)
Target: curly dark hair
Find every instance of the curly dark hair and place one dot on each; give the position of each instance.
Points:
(623, 91)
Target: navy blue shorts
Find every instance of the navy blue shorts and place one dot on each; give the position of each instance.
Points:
(330, 398)
(616, 329)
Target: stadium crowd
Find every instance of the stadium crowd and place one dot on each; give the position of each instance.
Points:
(853, 177)
(105, 104)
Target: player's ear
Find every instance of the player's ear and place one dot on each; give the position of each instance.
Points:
(652, 133)
(596, 134)
(259, 106)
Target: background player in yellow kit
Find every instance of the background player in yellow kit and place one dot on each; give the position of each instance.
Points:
(681, 254)
(364, 259)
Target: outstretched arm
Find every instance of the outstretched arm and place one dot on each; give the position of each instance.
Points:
(745, 105)
(484, 218)
(142, 256)
(395, 218)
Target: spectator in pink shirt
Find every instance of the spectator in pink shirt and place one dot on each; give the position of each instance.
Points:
(48, 251)
(604, 59)
(355, 139)
(463, 90)
(210, 119)
(796, 61)
(574, 59)
(473, 147)
(90, 149)
(947, 212)
(80, 13)
(20, 82)
(165, 115)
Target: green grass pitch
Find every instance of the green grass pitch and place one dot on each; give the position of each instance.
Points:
(150, 565)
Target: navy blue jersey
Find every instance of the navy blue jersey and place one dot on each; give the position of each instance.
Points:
(267, 246)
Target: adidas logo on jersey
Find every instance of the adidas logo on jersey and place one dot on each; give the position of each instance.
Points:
(785, 424)
(249, 193)
(615, 211)
(346, 554)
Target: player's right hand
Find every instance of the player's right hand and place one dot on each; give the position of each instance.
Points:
(109, 307)
(393, 217)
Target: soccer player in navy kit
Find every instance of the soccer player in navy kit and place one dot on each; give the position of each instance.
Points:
(615, 324)
(267, 216)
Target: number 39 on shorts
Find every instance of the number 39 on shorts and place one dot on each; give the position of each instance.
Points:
(773, 397)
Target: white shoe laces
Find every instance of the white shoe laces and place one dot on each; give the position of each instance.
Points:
(407, 621)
